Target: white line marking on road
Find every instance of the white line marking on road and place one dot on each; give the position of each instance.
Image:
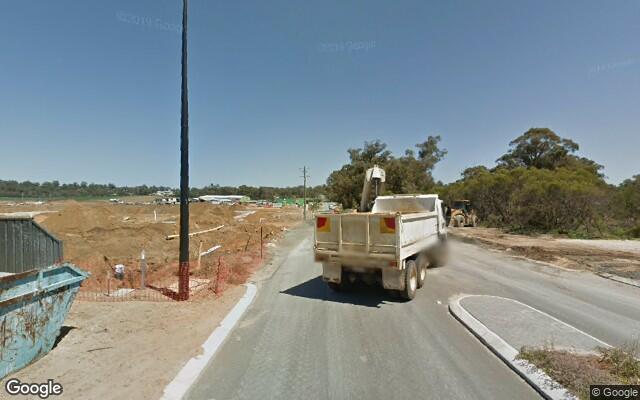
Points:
(194, 367)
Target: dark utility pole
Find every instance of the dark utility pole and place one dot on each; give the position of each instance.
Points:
(183, 270)
(304, 189)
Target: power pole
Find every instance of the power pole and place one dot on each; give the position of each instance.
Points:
(304, 193)
(183, 269)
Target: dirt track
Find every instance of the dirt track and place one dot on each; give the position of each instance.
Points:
(618, 257)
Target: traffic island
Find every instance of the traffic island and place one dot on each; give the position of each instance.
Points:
(504, 325)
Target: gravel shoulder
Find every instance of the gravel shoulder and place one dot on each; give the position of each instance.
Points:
(632, 246)
(616, 257)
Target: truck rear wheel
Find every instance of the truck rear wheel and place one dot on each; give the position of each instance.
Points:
(422, 261)
(410, 280)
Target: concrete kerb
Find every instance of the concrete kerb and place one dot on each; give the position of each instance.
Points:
(187, 376)
(537, 379)
(194, 367)
(620, 279)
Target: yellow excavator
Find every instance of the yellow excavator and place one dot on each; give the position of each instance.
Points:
(463, 214)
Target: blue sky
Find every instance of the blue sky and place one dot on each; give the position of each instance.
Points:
(89, 90)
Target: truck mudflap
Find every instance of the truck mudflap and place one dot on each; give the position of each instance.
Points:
(393, 279)
(331, 272)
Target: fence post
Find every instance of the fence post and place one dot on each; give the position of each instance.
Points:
(261, 246)
(143, 269)
(217, 285)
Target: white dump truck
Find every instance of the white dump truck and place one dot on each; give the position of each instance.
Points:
(393, 244)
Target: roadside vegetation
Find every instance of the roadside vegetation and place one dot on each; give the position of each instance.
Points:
(54, 190)
(540, 185)
(409, 173)
(614, 366)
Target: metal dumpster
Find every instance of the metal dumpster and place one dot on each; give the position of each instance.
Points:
(33, 306)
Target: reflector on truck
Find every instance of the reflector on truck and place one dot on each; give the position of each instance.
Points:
(323, 224)
(388, 225)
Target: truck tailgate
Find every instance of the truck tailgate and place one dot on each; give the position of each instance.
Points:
(357, 233)
(378, 235)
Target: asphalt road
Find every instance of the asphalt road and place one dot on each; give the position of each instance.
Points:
(299, 340)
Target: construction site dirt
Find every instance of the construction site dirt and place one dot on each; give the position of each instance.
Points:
(133, 349)
(99, 235)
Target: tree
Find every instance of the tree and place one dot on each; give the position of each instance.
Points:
(538, 148)
(429, 153)
(474, 171)
(534, 199)
(630, 196)
(539, 185)
(627, 205)
(70, 190)
(374, 152)
(406, 174)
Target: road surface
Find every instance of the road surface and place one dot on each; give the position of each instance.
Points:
(299, 340)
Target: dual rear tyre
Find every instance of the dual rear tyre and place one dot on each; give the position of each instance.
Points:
(416, 270)
(410, 280)
(422, 262)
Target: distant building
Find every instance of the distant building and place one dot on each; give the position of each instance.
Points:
(224, 199)
(167, 200)
(164, 193)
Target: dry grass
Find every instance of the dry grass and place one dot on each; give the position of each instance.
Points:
(614, 366)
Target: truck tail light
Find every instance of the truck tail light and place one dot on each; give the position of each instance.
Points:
(388, 225)
(323, 224)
